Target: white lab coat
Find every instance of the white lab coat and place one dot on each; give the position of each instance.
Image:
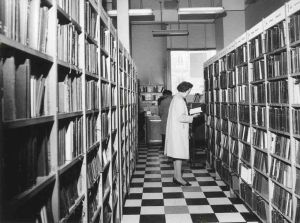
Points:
(177, 131)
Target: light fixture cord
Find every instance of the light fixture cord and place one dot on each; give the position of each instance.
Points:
(160, 15)
(178, 15)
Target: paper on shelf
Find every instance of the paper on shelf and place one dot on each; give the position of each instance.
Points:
(195, 110)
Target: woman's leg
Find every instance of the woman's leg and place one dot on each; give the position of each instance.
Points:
(177, 171)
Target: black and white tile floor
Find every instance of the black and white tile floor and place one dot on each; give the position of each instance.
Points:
(153, 197)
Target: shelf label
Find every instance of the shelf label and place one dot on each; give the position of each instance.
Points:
(255, 30)
(274, 18)
(292, 7)
(241, 40)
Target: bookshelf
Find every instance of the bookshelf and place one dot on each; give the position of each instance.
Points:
(149, 94)
(62, 82)
(261, 90)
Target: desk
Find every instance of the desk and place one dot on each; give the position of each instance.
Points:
(153, 132)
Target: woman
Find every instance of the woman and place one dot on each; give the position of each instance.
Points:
(177, 131)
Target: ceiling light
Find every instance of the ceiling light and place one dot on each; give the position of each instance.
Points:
(194, 13)
(170, 32)
(133, 12)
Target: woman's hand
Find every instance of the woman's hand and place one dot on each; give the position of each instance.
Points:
(196, 115)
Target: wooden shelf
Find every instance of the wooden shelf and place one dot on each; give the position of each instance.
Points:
(25, 49)
(73, 208)
(19, 123)
(67, 166)
(61, 14)
(281, 159)
(103, 79)
(257, 82)
(91, 75)
(94, 146)
(259, 127)
(69, 115)
(279, 50)
(277, 78)
(90, 39)
(69, 66)
(279, 132)
(26, 196)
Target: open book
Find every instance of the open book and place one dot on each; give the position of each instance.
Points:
(195, 110)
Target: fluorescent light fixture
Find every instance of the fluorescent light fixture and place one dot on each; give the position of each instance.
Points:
(136, 14)
(201, 11)
(170, 32)
(133, 12)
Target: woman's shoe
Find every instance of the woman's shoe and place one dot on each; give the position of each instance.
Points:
(179, 183)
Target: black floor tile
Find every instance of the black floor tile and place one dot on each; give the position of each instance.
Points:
(236, 200)
(208, 183)
(136, 185)
(153, 202)
(214, 194)
(173, 195)
(202, 174)
(152, 190)
(196, 201)
(201, 218)
(223, 208)
(250, 217)
(169, 184)
(152, 180)
(153, 172)
(138, 176)
(132, 210)
(152, 219)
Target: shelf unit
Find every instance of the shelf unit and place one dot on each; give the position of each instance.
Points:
(61, 97)
(250, 90)
(149, 93)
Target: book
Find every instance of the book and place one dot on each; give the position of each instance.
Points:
(195, 110)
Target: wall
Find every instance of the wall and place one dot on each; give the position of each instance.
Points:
(149, 54)
(256, 11)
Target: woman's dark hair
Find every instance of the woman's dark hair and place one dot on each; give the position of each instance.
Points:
(167, 92)
(184, 86)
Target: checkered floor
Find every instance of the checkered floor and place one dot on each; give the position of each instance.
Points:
(154, 198)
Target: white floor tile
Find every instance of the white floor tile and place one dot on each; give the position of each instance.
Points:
(241, 208)
(178, 218)
(133, 203)
(152, 184)
(204, 179)
(137, 180)
(174, 202)
(152, 196)
(136, 190)
(193, 195)
(167, 179)
(219, 201)
(152, 176)
(171, 189)
(152, 210)
(131, 219)
(210, 188)
(200, 209)
(230, 217)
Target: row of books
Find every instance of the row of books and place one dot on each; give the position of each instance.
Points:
(295, 91)
(105, 95)
(295, 60)
(258, 72)
(70, 94)
(91, 58)
(91, 21)
(246, 153)
(259, 138)
(232, 95)
(278, 217)
(277, 65)
(243, 92)
(275, 37)
(104, 37)
(92, 95)
(244, 133)
(93, 206)
(231, 79)
(280, 146)
(294, 28)
(70, 140)
(68, 44)
(232, 112)
(258, 93)
(25, 22)
(282, 200)
(234, 164)
(244, 113)
(259, 116)
(261, 161)
(104, 125)
(242, 75)
(246, 173)
(71, 7)
(296, 118)
(234, 145)
(224, 95)
(261, 207)
(93, 171)
(260, 184)
(241, 54)
(105, 62)
(297, 186)
(278, 92)
(24, 89)
(28, 159)
(297, 147)
(279, 118)
(91, 129)
(224, 111)
(230, 61)
(257, 47)
(246, 193)
(281, 172)
(69, 193)
(223, 80)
